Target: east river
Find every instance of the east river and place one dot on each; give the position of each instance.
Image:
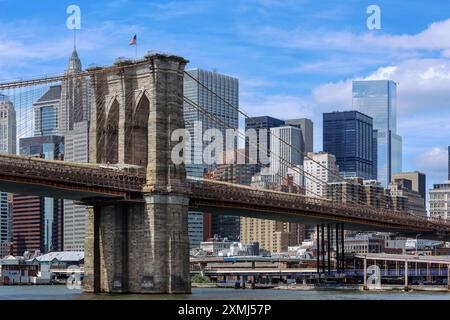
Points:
(63, 293)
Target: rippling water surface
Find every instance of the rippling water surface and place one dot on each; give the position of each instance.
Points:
(63, 293)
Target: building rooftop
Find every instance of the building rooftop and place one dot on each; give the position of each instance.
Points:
(53, 93)
(65, 256)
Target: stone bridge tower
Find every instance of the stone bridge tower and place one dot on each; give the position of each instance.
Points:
(139, 247)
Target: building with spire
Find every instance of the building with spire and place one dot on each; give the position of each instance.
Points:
(61, 118)
(73, 124)
(7, 145)
(74, 97)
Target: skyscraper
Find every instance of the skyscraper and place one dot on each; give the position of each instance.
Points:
(7, 145)
(74, 106)
(76, 150)
(38, 221)
(258, 123)
(287, 151)
(225, 109)
(349, 137)
(378, 99)
(307, 128)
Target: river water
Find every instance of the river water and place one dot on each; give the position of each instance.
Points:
(63, 293)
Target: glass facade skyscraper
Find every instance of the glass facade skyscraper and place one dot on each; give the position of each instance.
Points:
(46, 112)
(378, 99)
(45, 214)
(349, 137)
(225, 109)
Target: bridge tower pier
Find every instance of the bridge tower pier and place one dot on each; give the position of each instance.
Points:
(139, 247)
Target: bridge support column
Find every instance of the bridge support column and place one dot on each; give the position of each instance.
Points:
(337, 249)
(318, 249)
(107, 249)
(329, 248)
(448, 277)
(365, 274)
(140, 247)
(406, 276)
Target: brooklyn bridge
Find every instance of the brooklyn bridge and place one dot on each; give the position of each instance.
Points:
(138, 199)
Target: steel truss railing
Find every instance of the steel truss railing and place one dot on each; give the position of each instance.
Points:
(212, 190)
(71, 174)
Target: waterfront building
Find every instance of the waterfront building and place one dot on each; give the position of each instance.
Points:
(320, 168)
(349, 137)
(378, 99)
(195, 229)
(76, 150)
(418, 182)
(440, 201)
(272, 236)
(227, 248)
(5, 249)
(363, 244)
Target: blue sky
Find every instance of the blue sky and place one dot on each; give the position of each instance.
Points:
(294, 58)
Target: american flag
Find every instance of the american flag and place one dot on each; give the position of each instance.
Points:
(133, 40)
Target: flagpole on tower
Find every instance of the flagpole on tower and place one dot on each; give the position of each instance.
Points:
(133, 42)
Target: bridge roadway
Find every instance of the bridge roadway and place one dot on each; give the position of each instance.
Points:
(102, 184)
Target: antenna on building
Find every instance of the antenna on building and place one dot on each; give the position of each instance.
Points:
(74, 39)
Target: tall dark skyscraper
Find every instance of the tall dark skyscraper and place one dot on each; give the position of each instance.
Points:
(349, 137)
(38, 221)
(258, 123)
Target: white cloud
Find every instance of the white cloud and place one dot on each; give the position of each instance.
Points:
(278, 106)
(433, 161)
(424, 85)
(435, 37)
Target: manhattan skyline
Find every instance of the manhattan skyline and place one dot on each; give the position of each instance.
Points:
(293, 59)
